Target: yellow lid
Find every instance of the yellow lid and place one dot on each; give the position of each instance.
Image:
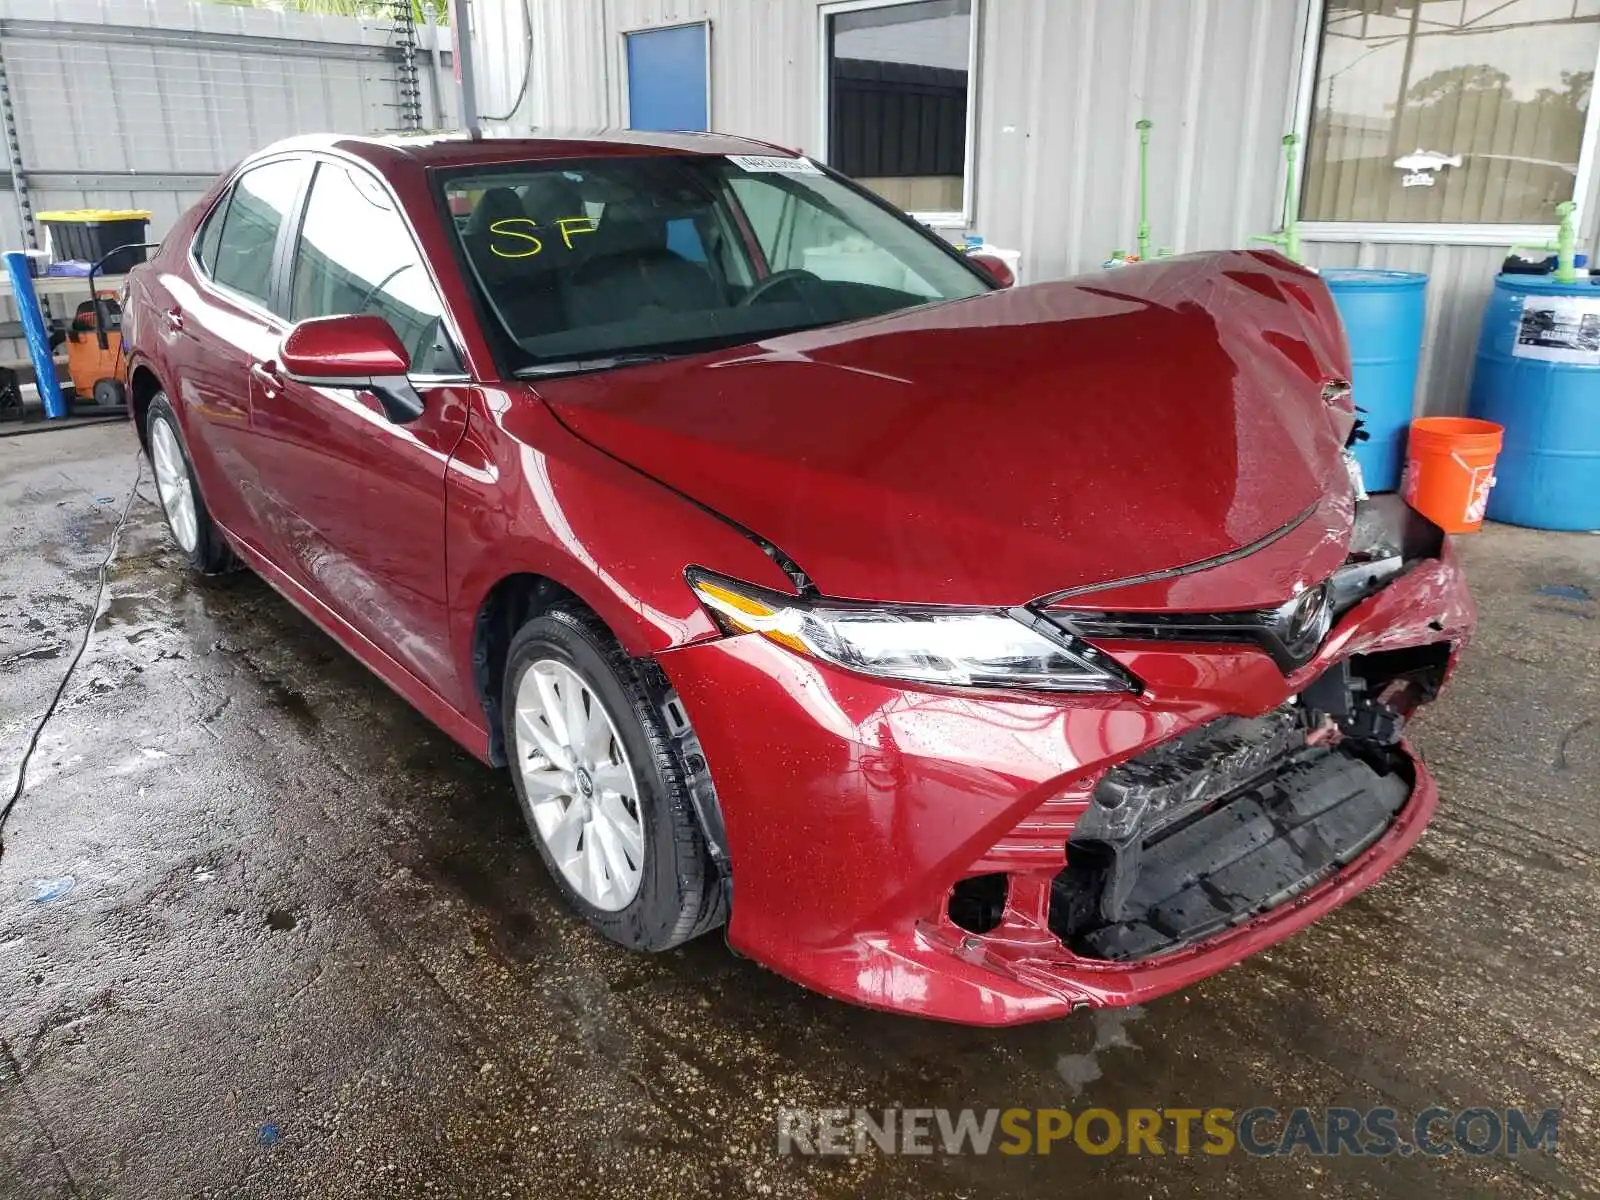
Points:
(86, 215)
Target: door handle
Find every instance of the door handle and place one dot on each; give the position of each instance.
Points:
(174, 319)
(266, 374)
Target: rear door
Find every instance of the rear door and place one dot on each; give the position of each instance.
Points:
(361, 497)
(217, 328)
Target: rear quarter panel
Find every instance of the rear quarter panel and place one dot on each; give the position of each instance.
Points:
(149, 296)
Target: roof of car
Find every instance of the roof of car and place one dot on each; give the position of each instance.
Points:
(461, 149)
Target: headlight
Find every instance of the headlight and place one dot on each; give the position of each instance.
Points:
(960, 647)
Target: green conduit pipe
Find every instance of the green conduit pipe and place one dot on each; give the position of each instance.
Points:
(1144, 128)
(1565, 245)
(1289, 240)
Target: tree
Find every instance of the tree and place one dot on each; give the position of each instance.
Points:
(1454, 81)
(366, 9)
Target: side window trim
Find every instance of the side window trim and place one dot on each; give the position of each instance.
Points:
(289, 238)
(214, 217)
(289, 263)
(205, 275)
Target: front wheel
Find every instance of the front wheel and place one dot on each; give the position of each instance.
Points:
(603, 785)
(188, 519)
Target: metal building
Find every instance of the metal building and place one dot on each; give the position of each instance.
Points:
(140, 104)
(133, 104)
(1495, 93)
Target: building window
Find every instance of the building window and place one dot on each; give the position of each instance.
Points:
(1466, 112)
(898, 82)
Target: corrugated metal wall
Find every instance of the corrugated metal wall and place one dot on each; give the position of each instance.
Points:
(179, 91)
(1060, 88)
(142, 103)
(763, 62)
(1060, 85)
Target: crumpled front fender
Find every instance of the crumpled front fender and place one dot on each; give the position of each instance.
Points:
(852, 806)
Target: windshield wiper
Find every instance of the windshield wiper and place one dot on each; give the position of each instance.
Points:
(582, 366)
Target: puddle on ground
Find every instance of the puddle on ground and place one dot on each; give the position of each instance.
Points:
(133, 609)
(1566, 591)
(1078, 1071)
(1568, 595)
(46, 890)
(38, 654)
(292, 703)
(1576, 742)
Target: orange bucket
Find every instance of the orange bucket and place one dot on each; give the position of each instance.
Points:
(1450, 469)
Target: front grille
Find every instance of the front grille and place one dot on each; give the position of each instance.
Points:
(1290, 633)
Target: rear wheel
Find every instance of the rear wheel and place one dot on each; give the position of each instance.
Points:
(603, 786)
(188, 519)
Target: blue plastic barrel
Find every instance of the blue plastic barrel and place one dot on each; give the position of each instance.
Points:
(1538, 375)
(38, 337)
(1382, 313)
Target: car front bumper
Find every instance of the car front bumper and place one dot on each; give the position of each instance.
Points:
(853, 805)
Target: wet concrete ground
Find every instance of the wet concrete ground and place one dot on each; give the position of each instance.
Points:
(265, 932)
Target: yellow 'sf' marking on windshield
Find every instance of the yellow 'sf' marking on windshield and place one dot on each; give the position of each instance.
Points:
(572, 225)
(514, 236)
(520, 244)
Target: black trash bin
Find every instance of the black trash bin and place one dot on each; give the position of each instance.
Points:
(89, 234)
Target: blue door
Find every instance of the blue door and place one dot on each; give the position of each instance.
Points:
(667, 79)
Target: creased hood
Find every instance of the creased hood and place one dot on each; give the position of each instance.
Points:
(999, 449)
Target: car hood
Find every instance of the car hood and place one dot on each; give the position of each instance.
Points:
(1011, 446)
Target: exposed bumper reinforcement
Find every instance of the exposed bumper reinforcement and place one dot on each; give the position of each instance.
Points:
(1274, 838)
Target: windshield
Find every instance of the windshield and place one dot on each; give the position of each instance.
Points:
(662, 254)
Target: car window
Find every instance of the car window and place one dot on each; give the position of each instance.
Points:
(355, 254)
(797, 235)
(764, 208)
(684, 240)
(210, 235)
(256, 211)
(667, 253)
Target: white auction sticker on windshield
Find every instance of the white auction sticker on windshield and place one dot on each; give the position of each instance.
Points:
(774, 164)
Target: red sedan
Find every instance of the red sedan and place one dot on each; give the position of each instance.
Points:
(970, 651)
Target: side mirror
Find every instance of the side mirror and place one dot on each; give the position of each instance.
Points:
(356, 351)
(994, 267)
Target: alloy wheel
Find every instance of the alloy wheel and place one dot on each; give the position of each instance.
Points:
(579, 784)
(173, 486)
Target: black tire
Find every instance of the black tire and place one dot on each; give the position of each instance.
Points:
(682, 893)
(211, 554)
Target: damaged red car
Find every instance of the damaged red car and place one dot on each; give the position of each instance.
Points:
(969, 651)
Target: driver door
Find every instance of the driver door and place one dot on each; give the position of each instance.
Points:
(358, 498)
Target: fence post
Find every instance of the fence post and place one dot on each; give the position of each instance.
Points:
(19, 178)
(408, 82)
(461, 33)
(441, 116)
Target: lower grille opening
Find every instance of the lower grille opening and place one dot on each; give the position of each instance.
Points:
(978, 904)
(1238, 816)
